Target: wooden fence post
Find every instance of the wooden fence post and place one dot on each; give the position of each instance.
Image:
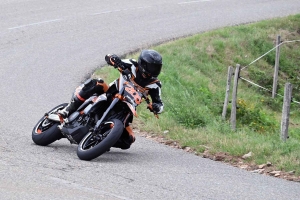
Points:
(234, 97)
(276, 67)
(229, 77)
(286, 111)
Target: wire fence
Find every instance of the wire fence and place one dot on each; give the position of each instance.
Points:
(268, 52)
(266, 89)
(252, 83)
(287, 98)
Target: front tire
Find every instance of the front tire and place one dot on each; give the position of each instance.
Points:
(46, 131)
(92, 146)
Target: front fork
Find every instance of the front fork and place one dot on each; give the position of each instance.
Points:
(113, 103)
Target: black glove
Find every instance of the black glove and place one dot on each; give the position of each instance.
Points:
(113, 60)
(155, 107)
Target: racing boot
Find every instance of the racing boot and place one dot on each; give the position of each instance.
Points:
(71, 107)
(131, 134)
(126, 139)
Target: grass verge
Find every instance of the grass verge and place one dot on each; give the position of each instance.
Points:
(194, 78)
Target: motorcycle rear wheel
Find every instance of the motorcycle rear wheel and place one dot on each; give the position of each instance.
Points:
(46, 131)
(92, 146)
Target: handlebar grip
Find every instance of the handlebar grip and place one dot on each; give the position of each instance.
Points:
(149, 106)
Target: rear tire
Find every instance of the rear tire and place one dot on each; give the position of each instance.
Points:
(92, 146)
(46, 131)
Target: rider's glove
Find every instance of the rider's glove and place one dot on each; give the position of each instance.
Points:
(113, 60)
(155, 107)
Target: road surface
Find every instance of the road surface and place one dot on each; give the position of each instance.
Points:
(48, 47)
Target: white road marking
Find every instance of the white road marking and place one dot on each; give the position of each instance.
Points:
(186, 2)
(100, 13)
(111, 11)
(104, 12)
(33, 24)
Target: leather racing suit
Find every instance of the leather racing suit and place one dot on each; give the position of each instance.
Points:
(98, 86)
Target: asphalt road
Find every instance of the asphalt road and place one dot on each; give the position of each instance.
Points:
(48, 47)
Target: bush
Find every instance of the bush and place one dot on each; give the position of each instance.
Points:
(255, 118)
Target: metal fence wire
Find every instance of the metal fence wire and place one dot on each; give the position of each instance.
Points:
(252, 83)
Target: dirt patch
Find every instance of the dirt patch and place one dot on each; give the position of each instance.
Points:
(236, 161)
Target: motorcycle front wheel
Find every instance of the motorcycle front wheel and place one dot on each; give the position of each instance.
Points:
(94, 145)
(46, 131)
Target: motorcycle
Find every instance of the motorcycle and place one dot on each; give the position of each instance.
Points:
(98, 123)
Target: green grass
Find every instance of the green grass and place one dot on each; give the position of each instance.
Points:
(194, 78)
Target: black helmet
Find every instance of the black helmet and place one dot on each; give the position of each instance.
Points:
(150, 63)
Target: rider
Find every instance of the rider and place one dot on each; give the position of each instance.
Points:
(145, 73)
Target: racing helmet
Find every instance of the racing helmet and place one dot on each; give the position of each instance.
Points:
(149, 63)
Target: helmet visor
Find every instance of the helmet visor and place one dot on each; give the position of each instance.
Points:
(153, 69)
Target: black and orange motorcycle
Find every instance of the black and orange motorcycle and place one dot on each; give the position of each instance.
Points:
(98, 123)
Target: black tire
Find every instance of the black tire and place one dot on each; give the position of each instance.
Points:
(92, 146)
(46, 131)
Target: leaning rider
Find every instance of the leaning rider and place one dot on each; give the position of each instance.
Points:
(145, 73)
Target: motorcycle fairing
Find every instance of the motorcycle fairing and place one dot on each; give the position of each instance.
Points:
(132, 109)
(98, 102)
(53, 117)
(86, 102)
(132, 95)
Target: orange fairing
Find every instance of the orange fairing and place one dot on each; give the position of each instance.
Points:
(135, 95)
(132, 109)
